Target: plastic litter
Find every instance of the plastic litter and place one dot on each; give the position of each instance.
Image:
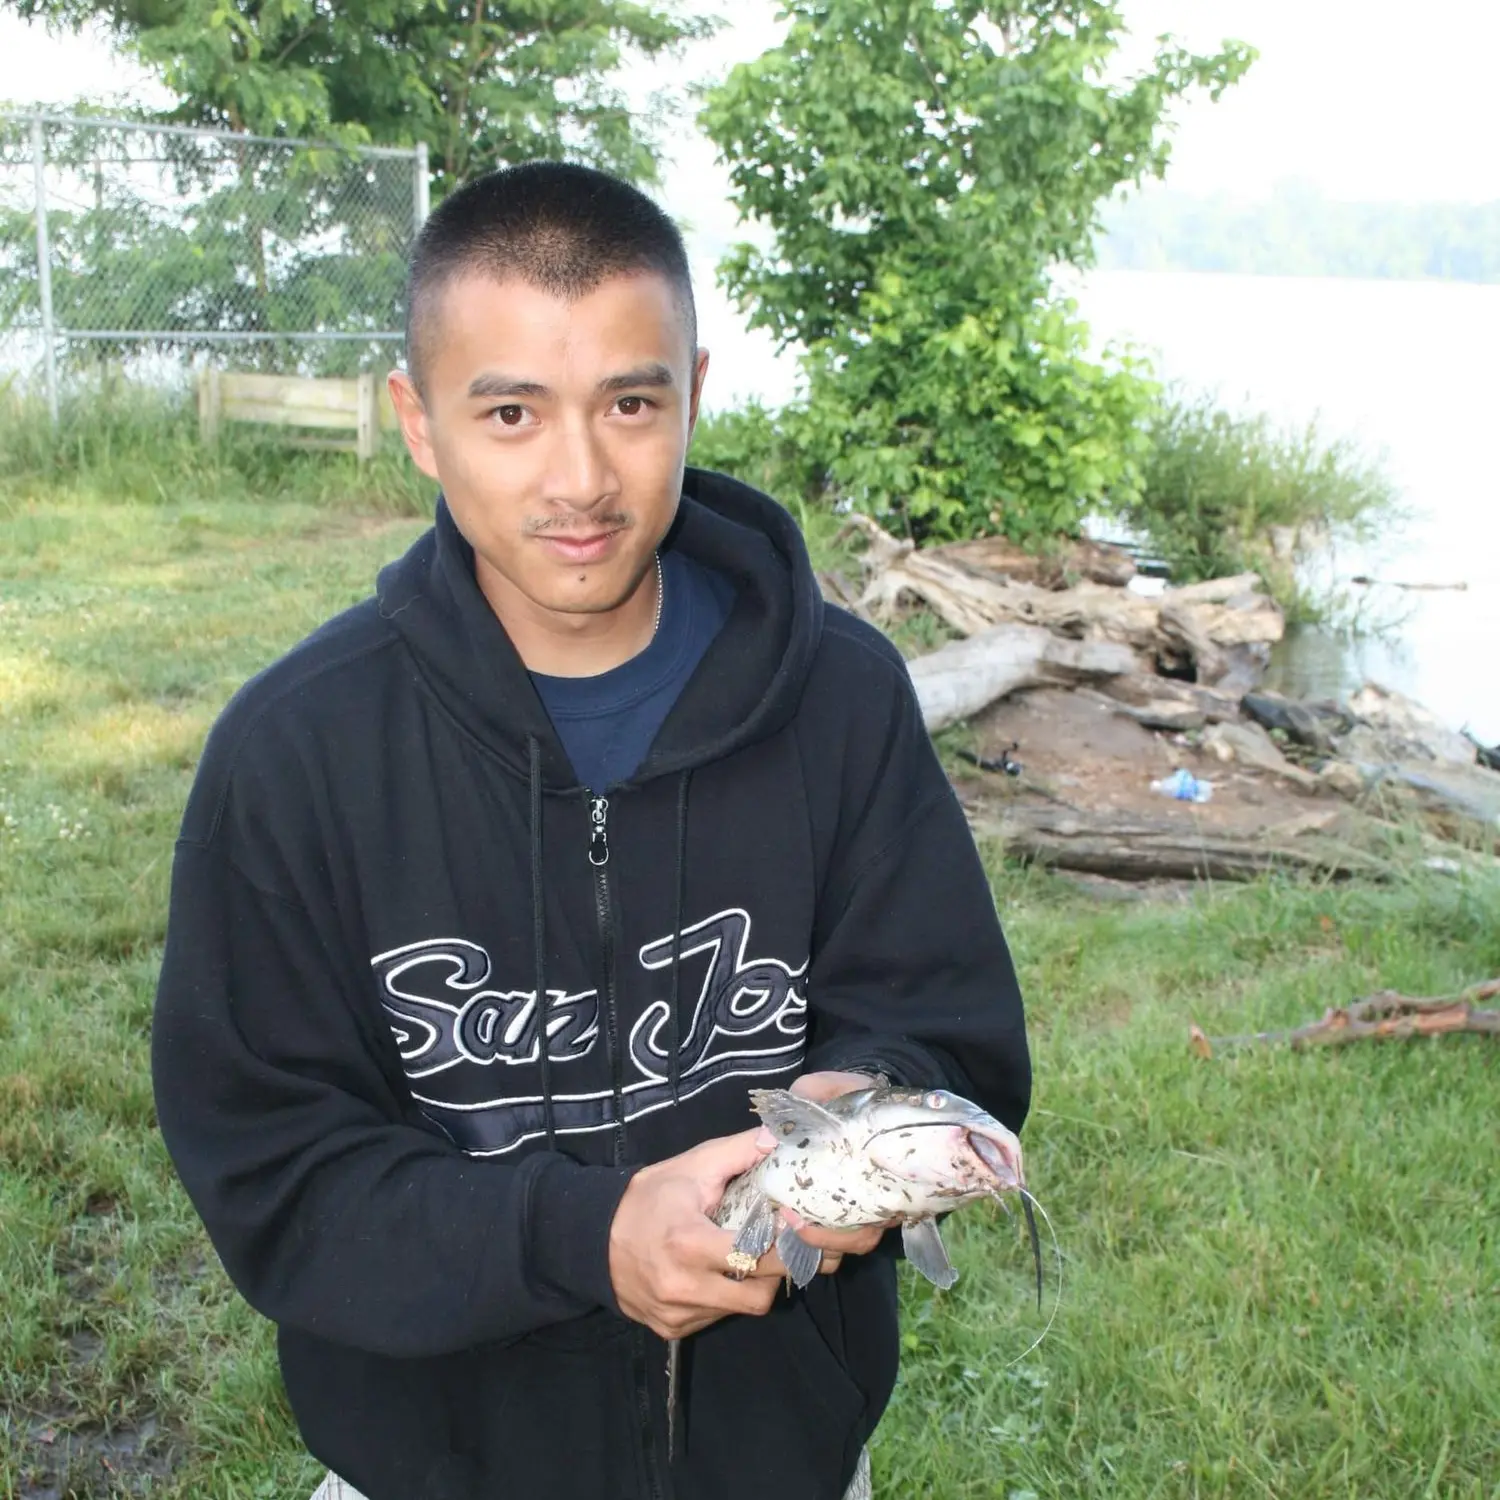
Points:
(1184, 786)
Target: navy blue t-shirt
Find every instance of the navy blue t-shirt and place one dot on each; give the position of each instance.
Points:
(607, 723)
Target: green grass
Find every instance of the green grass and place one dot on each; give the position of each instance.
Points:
(1281, 1270)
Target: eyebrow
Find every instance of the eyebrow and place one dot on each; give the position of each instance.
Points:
(494, 385)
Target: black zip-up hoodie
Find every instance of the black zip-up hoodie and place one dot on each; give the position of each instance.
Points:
(385, 858)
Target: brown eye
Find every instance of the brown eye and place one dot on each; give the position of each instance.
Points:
(510, 415)
(630, 406)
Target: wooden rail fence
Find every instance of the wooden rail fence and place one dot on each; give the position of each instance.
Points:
(356, 409)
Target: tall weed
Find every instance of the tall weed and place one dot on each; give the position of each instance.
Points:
(126, 442)
(1225, 494)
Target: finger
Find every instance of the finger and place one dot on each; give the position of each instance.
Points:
(768, 1267)
(717, 1295)
(716, 1161)
(684, 1326)
(845, 1241)
(830, 1262)
(821, 1087)
(703, 1247)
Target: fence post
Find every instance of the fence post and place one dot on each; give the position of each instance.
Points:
(44, 263)
(210, 402)
(367, 416)
(421, 201)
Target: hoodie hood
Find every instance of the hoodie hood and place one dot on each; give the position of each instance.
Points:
(746, 688)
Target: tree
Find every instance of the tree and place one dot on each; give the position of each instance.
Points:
(922, 166)
(484, 82)
(265, 241)
(176, 235)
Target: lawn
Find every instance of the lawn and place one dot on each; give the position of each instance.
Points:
(1281, 1271)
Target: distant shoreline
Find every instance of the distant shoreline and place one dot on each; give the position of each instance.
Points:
(1298, 232)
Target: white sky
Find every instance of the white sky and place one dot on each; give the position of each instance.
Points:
(1368, 99)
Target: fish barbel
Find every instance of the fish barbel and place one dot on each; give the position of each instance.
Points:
(872, 1156)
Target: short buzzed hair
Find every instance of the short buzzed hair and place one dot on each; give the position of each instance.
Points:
(562, 228)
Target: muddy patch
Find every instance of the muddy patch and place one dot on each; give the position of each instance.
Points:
(61, 1459)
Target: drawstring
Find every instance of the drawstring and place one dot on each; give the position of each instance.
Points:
(674, 1042)
(538, 939)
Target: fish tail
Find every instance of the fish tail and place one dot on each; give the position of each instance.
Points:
(674, 1371)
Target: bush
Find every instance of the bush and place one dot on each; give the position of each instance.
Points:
(1224, 494)
(918, 171)
(991, 426)
(761, 448)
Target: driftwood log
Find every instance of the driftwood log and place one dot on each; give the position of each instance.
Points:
(1204, 628)
(1168, 704)
(1097, 562)
(957, 680)
(1129, 846)
(1386, 1016)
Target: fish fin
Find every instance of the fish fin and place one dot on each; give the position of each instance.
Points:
(800, 1259)
(845, 1105)
(785, 1114)
(925, 1250)
(757, 1232)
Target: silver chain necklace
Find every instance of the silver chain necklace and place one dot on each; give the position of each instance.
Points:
(656, 623)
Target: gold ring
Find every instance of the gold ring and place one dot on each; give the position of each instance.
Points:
(741, 1263)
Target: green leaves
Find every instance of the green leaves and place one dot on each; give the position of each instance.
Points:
(483, 83)
(249, 239)
(922, 165)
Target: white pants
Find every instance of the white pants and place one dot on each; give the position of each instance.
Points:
(334, 1488)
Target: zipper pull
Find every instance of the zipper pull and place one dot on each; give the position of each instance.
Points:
(598, 831)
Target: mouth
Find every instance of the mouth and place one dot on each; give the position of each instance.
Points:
(581, 547)
(1002, 1163)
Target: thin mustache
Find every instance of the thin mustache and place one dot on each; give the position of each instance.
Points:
(617, 521)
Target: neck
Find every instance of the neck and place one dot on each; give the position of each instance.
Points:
(558, 644)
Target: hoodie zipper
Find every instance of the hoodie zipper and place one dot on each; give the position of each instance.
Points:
(605, 911)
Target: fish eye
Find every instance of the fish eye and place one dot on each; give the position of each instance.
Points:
(938, 1099)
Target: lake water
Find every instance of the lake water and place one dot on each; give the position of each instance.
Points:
(1406, 369)
(1410, 370)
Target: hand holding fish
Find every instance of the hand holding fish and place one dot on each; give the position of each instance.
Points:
(666, 1256)
(859, 1158)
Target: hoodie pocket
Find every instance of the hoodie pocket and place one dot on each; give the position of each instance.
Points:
(552, 1414)
(770, 1409)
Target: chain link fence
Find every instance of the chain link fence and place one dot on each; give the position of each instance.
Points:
(150, 249)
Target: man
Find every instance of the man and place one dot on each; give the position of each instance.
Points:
(496, 895)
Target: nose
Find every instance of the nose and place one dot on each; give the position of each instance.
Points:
(580, 472)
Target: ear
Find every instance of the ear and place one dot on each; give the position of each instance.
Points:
(700, 370)
(412, 415)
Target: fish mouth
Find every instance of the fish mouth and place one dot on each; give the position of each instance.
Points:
(1005, 1164)
(1000, 1159)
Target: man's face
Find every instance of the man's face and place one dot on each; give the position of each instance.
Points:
(558, 431)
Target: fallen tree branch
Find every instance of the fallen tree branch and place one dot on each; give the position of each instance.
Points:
(964, 676)
(1173, 846)
(1210, 626)
(1386, 1016)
